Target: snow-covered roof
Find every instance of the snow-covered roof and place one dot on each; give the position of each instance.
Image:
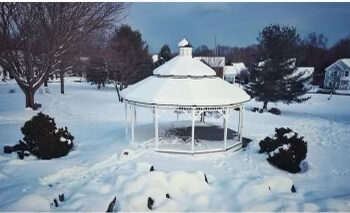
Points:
(307, 71)
(185, 81)
(234, 69)
(184, 43)
(213, 61)
(184, 66)
(344, 63)
(185, 92)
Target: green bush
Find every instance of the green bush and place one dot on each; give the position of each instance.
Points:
(43, 139)
(286, 150)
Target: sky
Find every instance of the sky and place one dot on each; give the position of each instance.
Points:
(233, 24)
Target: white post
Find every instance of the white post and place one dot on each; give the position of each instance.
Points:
(193, 119)
(132, 123)
(135, 114)
(240, 123)
(156, 126)
(234, 79)
(225, 129)
(126, 118)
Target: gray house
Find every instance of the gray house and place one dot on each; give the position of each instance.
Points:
(337, 75)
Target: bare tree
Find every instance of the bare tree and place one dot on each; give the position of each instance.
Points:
(35, 38)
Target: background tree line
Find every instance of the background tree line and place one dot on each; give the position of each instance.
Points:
(312, 51)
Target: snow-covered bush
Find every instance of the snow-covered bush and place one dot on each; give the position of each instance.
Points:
(43, 139)
(286, 150)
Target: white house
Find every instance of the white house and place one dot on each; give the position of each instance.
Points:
(337, 75)
(231, 71)
(215, 62)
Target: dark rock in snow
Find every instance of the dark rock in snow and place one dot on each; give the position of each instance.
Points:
(150, 203)
(125, 153)
(61, 197)
(255, 109)
(111, 205)
(293, 189)
(151, 169)
(205, 178)
(56, 203)
(167, 196)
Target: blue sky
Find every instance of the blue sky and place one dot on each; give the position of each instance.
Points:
(234, 24)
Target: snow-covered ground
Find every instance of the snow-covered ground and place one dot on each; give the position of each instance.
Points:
(99, 169)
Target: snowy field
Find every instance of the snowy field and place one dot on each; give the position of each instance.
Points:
(97, 170)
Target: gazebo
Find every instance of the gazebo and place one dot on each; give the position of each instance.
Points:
(184, 84)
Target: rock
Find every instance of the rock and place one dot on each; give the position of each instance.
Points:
(167, 196)
(293, 189)
(61, 197)
(56, 203)
(151, 169)
(126, 153)
(150, 203)
(111, 205)
(205, 178)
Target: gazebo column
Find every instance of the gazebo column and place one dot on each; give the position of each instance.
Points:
(225, 129)
(156, 126)
(132, 123)
(193, 119)
(126, 118)
(240, 123)
(134, 114)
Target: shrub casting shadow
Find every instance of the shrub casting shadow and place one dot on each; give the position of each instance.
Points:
(207, 133)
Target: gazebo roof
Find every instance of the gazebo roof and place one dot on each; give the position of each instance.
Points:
(184, 66)
(185, 92)
(185, 81)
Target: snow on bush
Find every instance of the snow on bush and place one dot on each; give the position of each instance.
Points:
(286, 150)
(42, 139)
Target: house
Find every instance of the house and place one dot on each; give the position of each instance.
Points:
(215, 62)
(233, 70)
(337, 75)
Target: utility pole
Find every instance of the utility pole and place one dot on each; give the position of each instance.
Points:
(215, 47)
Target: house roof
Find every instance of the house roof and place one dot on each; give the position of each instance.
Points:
(213, 61)
(234, 68)
(308, 71)
(344, 63)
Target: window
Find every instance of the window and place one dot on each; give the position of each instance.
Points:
(334, 73)
(346, 73)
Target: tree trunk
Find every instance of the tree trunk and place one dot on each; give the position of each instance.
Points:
(265, 106)
(45, 82)
(29, 98)
(119, 98)
(62, 81)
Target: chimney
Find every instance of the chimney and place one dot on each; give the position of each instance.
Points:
(185, 48)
